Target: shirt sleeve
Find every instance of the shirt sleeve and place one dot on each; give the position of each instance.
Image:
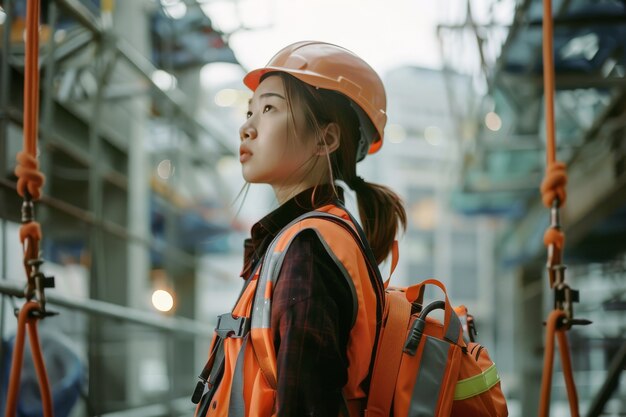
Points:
(311, 315)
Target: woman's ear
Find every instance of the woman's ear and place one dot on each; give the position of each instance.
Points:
(331, 139)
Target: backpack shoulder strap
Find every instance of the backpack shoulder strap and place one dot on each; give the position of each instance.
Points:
(397, 315)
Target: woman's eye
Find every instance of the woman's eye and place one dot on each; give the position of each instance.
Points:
(248, 114)
(267, 108)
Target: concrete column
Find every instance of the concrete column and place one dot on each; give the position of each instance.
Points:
(130, 22)
(529, 336)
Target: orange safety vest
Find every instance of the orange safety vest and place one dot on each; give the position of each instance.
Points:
(248, 379)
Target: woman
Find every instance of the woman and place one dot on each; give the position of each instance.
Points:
(300, 338)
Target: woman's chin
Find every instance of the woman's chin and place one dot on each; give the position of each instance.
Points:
(249, 177)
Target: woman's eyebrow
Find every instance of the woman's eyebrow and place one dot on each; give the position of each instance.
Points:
(270, 95)
(267, 95)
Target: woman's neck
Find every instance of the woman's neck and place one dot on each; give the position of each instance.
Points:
(285, 193)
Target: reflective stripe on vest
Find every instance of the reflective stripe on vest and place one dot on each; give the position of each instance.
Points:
(477, 384)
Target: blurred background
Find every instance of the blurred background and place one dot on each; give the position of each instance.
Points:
(143, 218)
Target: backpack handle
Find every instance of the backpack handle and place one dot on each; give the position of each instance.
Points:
(452, 327)
(417, 329)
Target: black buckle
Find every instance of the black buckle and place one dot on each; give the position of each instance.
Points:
(197, 393)
(414, 337)
(229, 326)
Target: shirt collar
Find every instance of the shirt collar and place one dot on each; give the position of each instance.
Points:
(264, 231)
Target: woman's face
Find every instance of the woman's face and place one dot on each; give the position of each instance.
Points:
(274, 151)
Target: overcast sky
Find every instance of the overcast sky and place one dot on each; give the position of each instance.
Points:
(384, 33)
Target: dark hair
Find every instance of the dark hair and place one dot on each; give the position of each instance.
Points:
(381, 210)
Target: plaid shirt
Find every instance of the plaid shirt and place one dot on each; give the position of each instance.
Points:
(311, 315)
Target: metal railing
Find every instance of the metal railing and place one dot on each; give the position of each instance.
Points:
(178, 325)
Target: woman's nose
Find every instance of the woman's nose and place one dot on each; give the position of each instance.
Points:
(247, 132)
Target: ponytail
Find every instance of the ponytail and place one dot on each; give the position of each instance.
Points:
(382, 212)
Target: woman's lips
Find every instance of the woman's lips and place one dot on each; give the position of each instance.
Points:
(244, 154)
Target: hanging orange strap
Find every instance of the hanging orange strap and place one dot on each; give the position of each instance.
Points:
(28, 316)
(555, 328)
(553, 196)
(29, 183)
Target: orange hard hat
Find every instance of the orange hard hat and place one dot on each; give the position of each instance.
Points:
(332, 67)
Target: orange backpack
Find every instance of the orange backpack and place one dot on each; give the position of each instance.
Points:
(423, 367)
